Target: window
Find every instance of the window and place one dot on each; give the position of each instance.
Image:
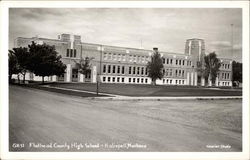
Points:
(113, 69)
(114, 56)
(138, 70)
(71, 53)
(123, 57)
(105, 56)
(182, 81)
(176, 81)
(123, 69)
(113, 79)
(129, 70)
(166, 72)
(118, 69)
(142, 70)
(182, 73)
(167, 81)
(176, 61)
(134, 58)
(67, 53)
(104, 79)
(163, 60)
(176, 72)
(109, 68)
(142, 80)
(122, 79)
(179, 73)
(171, 61)
(222, 75)
(170, 81)
(170, 73)
(134, 80)
(146, 72)
(74, 52)
(183, 62)
(180, 62)
(118, 79)
(130, 58)
(134, 70)
(129, 80)
(167, 60)
(146, 80)
(104, 68)
(142, 59)
(108, 79)
(119, 57)
(179, 81)
(163, 80)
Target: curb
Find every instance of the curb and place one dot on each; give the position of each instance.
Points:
(164, 98)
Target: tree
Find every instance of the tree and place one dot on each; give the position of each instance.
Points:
(212, 65)
(45, 61)
(13, 65)
(84, 66)
(237, 71)
(23, 59)
(155, 67)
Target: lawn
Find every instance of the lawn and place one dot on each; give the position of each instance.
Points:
(150, 90)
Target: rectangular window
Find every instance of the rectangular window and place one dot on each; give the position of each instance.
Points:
(114, 56)
(187, 63)
(74, 52)
(176, 61)
(180, 62)
(119, 57)
(104, 68)
(166, 72)
(71, 53)
(138, 70)
(138, 80)
(167, 61)
(129, 80)
(104, 79)
(176, 81)
(146, 72)
(182, 73)
(134, 80)
(67, 53)
(108, 79)
(163, 72)
(142, 80)
(142, 70)
(105, 56)
(129, 70)
(134, 70)
(179, 73)
(113, 69)
(130, 58)
(170, 81)
(113, 79)
(170, 73)
(146, 80)
(118, 69)
(163, 60)
(123, 57)
(134, 58)
(109, 68)
(118, 79)
(123, 69)
(183, 62)
(122, 79)
(171, 61)
(176, 72)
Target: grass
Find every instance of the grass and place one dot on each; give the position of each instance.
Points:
(150, 90)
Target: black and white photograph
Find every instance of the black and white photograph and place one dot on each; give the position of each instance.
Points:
(105, 79)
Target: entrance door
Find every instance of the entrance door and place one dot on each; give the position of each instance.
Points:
(74, 75)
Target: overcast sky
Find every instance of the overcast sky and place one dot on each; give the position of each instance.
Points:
(164, 28)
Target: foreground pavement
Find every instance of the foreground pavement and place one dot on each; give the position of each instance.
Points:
(47, 121)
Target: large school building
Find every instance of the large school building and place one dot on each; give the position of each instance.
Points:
(113, 64)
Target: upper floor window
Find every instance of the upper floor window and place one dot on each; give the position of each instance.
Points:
(123, 69)
(114, 56)
(105, 56)
(123, 57)
(163, 60)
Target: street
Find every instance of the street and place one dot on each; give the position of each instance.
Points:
(46, 121)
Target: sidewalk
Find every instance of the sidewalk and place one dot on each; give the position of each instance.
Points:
(129, 98)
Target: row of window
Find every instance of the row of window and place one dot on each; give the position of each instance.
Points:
(223, 83)
(170, 81)
(137, 70)
(115, 69)
(71, 53)
(122, 80)
(225, 75)
(122, 57)
(180, 62)
(225, 66)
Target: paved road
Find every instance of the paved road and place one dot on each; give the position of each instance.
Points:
(46, 121)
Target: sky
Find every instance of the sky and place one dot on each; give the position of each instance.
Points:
(164, 28)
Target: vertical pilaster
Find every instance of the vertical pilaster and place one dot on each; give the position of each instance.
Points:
(81, 78)
(195, 78)
(192, 78)
(188, 83)
(94, 74)
(69, 73)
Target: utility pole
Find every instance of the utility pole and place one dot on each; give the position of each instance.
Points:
(232, 48)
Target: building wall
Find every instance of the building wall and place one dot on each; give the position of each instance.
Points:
(112, 64)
